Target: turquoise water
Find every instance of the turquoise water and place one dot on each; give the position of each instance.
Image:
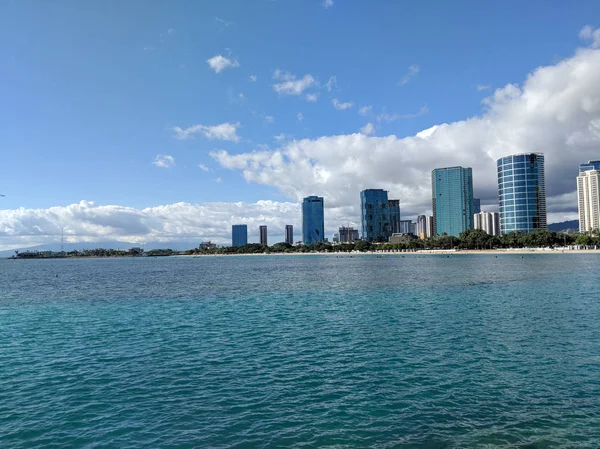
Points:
(303, 351)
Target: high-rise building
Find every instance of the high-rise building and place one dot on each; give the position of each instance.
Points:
(375, 215)
(488, 222)
(452, 200)
(522, 193)
(476, 205)
(347, 234)
(430, 226)
(313, 220)
(424, 226)
(394, 213)
(289, 234)
(588, 196)
(406, 227)
(262, 231)
(239, 235)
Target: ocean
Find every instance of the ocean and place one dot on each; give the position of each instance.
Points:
(438, 352)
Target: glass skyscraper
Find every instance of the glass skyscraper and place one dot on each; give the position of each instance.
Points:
(375, 215)
(394, 208)
(522, 193)
(262, 232)
(313, 220)
(239, 235)
(452, 200)
(289, 234)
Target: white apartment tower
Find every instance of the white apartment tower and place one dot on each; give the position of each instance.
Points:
(588, 200)
(488, 222)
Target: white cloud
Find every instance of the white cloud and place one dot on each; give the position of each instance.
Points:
(218, 180)
(253, 78)
(365, 110)
(312, 97)
(90, 222)
(331, 83)
(219, 63)
(591, 35)
(269, 119)
(289, 85)
(413, 70)
(481, 87)
(280, 137)
(388, 118)
(164, 161)
(224, 131)
(300, 116)
(368, 129)
(327, 3)
(341, 106)
(555, 111)
(223, 22)
(203, 167)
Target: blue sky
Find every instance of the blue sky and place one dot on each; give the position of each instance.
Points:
(91, 92)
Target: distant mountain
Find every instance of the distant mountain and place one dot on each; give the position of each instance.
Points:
(176, 246)
(564, 226)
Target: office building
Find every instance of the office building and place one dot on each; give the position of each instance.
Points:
(375, 215)
(394, 214)
(476, 205)
(452, 200)
(522, 193)
(239, 235)
(347, 234)
(313, 220)
(262, 231)
(289, 234)
(488, 222)
(588, 198)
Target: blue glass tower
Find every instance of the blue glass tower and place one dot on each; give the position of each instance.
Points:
(476, 205)
(375, 215)
(394, 208)
(452, 200)
(522, 192)
(313, 220)
(239, 235)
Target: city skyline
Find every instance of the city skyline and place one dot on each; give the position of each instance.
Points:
(136, 155)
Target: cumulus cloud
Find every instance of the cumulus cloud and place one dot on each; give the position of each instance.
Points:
(164, 161)
(312, 97)
(341, 106)
(224, 131)
(555, 111)
(413, 70)
(300, 116)
(591, 35)
(327, 3)
(368, 129)
(481, 87)
(203, 167)
(90, 222)
(288, 84)
(253, 78)
(219, 63)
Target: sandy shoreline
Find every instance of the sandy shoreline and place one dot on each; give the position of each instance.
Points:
(493, 252)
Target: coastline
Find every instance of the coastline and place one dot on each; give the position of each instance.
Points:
(448, 252)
